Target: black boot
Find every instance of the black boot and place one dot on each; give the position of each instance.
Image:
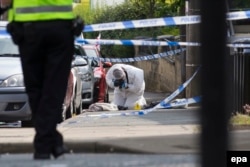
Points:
(59, 151)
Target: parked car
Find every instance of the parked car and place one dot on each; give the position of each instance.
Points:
(87, 76)
(100, 91)
(14, 104)
(73, 100)
(13, 99)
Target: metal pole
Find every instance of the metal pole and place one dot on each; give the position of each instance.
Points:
(187, 7)
(184, 54)
(193, 53)
(214, 84)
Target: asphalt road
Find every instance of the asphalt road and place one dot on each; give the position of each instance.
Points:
(104, 160)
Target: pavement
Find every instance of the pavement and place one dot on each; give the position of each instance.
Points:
(163, 131)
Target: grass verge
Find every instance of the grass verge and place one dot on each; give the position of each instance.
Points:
(239, 121)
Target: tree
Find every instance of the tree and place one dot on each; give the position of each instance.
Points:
(239, 4)
(129, 10)
(132, 10)
(83, 10)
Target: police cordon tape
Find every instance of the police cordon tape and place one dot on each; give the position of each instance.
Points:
(155, 22)
(181, 102)
(139, 58)
(166, 21)
(164, 104)
(134, 42)
(177, 91)
(237, 44)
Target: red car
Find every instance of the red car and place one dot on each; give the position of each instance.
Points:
(100, 93)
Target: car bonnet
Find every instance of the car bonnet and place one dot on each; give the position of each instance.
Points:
(9, 66)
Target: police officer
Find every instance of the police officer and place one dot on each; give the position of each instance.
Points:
(43, 31)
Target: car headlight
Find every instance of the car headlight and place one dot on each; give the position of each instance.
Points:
(86, 77)
(13, 81)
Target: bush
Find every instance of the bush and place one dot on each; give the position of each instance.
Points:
(124, 12)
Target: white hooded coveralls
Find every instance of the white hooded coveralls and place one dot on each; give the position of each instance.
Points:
(136, 85)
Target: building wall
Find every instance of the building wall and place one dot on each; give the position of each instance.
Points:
(161, 75)
(103, 3)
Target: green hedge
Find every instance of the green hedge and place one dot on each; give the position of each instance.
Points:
(124, 12)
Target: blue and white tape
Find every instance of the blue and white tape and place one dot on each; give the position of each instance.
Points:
(134, 42)
(107, 115)
(4, 33)
(238, 15)
(177, 91)
(148, 43)
(181, 102)
(238, 45)
(139, 58)
(166, 21)
(156, 22)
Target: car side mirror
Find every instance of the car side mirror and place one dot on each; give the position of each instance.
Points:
(79, 61)
(107, 64)
(94, 63)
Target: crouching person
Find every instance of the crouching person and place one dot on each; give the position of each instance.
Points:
(128, 84)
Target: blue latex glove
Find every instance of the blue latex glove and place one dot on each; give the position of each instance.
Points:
(123, 85)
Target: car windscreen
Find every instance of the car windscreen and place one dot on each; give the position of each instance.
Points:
(7, 47)
(90, 52)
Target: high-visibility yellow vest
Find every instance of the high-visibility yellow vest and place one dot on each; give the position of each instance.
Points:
(40, 10)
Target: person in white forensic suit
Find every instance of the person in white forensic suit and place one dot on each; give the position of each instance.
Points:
(128, 84)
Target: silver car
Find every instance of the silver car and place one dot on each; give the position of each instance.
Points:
(14, 104)
(13, 99)
(87, 74)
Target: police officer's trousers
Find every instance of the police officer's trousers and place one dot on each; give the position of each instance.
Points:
(46, 54)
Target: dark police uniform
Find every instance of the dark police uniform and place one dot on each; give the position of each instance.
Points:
(43, 31)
